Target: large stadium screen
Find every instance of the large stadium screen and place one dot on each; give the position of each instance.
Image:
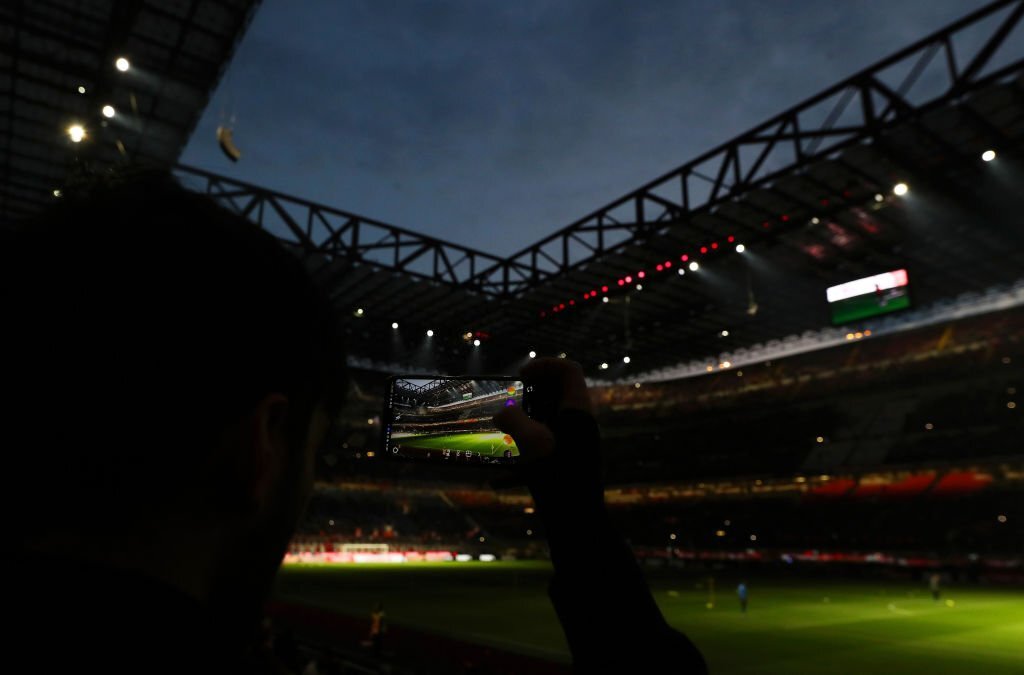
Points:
(870, 296)
(448, 419)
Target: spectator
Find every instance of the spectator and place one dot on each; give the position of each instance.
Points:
(169, 371)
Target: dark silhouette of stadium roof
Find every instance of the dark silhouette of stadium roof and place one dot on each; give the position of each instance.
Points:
(809, 193)
(50, 49)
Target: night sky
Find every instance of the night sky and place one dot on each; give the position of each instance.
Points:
(492, 124)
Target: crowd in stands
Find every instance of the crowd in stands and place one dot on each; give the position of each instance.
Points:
(924, 402)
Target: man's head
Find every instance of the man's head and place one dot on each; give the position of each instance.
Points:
(165, 361)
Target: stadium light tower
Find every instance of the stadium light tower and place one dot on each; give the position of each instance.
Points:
(108, 111)
(625, 359)
(533, 354)
(740, 248)
(900, 189)
(988, 155)
(694, 266)
(476, 343)
(122, 64)
(394, 324)
(430, 333)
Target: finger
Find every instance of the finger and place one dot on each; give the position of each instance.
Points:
(533, 439)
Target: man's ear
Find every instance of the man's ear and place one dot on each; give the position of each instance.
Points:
(268, 451)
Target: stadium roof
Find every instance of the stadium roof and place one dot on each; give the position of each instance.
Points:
(809, 193)
(57, 69)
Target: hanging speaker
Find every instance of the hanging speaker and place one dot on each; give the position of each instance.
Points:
(227, 143)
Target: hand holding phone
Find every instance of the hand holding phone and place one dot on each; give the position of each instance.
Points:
(553, 385)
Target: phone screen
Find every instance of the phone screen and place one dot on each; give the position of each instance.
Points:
(448, 419)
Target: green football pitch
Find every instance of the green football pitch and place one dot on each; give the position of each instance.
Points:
(791, 627)
(489, 444)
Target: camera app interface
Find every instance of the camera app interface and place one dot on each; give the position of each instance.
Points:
(449, 419)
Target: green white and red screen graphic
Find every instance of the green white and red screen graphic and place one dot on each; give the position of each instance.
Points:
(870, 296)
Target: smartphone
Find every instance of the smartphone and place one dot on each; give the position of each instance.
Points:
(447, 419)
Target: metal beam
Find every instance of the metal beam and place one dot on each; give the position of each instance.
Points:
(790, 139)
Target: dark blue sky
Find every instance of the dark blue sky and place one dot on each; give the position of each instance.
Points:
(494, 123)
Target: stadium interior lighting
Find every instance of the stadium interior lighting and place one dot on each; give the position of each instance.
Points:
(476, 343)
(639, 287)
(725, 364)
(529, 533)
(879, 197)
(533, 354)
(394, 325)
(753, 537)
(81, 89)
(76, 132)
(694, 266)
(430, 333)
(682, 271)
(820, 439)
(1001, 518)
(57, 192)
(122, 64)
(724, 333)
(988, 155)
(370, 454)
(815, 220)
(625, 359)
(604, 366)
(900, 189)
(672, 536)
(108, 111)
(740, 248)
(636, 385)
(604, 299)
(562, 355)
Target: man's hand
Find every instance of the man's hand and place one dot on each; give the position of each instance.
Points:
(561, 378)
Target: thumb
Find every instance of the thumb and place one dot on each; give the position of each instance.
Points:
(533, 439)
